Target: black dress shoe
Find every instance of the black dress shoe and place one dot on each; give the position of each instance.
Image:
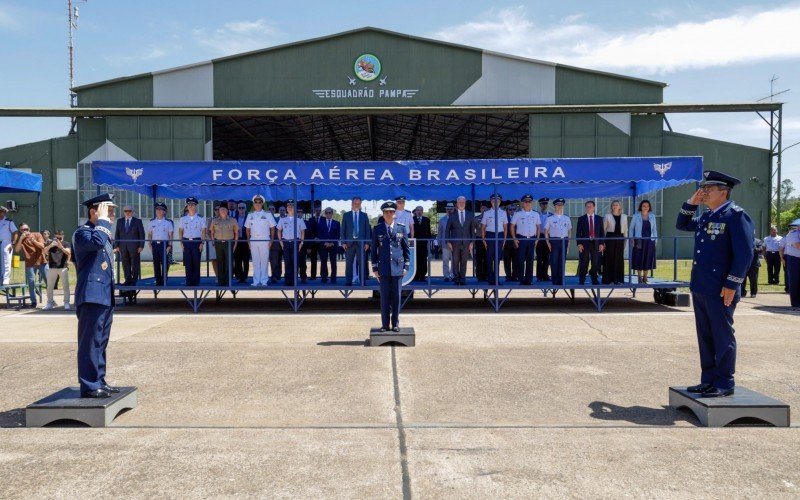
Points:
(716, 392)
(98, 393)
(109, 389)
(383, 329)
(699, 388)
(395, 328)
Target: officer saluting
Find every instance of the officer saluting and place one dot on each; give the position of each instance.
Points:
(723, 251)
(94, 295)
(390, 261)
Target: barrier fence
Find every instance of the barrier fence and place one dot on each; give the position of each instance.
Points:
(296, 291)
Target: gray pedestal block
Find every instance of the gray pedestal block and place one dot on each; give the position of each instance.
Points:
(404, 337)
(742, 404)
(67, 404)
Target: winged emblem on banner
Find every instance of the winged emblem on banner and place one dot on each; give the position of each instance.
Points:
(662, 168)
(134, 173)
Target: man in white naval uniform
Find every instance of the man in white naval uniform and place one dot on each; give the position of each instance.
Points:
(259, 224)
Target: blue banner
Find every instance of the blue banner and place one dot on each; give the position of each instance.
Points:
(416, 179)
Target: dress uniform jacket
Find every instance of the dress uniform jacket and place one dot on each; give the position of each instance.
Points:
(93, 260)
(390, 252)
(723, 251)
(723, 247)
(94, 295)
(390, 257)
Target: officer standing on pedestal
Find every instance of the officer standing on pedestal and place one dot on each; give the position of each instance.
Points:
(390, 261)
(723, 244)
(94, 295)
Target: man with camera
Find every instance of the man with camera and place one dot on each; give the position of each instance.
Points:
(58, 256)
(31, 246)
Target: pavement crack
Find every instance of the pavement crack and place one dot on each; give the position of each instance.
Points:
(401, 432)
(591, 326)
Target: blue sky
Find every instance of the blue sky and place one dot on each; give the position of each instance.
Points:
(707, 51)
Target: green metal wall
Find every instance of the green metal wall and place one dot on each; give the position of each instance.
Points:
(150, 137)
(574, 86)
(285, 76)
(123, 93)
(59, 208)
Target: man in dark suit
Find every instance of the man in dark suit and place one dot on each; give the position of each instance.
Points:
(459, 234)
(328, 234)
(94, 295)
(129, 242)
(311, 237)
(589, 236)
(422, 232)
(356, 235)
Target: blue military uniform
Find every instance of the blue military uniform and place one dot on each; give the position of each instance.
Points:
(722, 255)
(390, 258)
(192, 229)
(495, 238)
(161, 231)
(94, 299)
(542, 251)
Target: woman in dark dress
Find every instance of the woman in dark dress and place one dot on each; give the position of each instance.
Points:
(615, 224)
(644, 233)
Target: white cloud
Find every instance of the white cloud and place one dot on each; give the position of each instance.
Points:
(743, 37)
(239, 36)
(759, 125)
(699, 131)
(7, 21)
(146, 55)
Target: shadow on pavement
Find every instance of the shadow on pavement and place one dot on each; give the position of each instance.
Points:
(12, 418)
(354, 343)
(779, 309)
(640, 415)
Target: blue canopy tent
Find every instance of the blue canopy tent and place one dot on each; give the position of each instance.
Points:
(16, 181)
(417, 179)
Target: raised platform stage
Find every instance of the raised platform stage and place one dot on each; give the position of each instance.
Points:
(68, 405)
(743, 406)
(496, 295)
(404, 337)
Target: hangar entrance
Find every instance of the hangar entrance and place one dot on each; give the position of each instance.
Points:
(370, 137)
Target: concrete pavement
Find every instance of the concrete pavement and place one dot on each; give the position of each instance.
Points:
(544, 399)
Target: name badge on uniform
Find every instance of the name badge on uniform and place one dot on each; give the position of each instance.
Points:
(104, 265)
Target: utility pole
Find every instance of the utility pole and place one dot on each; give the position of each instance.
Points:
(72, 25)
